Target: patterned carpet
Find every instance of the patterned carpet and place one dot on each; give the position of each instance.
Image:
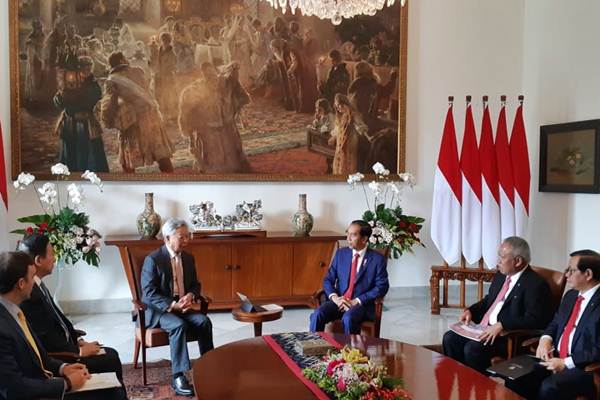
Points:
(159, 382)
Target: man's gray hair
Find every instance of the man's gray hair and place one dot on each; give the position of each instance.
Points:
(519, 248)
(172, 224)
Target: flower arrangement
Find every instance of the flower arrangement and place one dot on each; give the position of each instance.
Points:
(391, 228)
(66, 226)
(350, 375)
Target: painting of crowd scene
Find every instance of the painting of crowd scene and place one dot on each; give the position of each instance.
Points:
(201, 89)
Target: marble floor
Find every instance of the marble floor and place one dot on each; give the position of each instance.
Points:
(404, 319)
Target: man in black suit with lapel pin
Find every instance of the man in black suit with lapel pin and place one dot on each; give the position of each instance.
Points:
(572, 340)
(26, 370)
(516, 300)
(169, 289)
(48, 322)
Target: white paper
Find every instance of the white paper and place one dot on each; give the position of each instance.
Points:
(272, 307)
(104, 380)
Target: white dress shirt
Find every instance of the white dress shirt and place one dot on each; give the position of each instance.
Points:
(587, 296)
(513, 281)
(361, 259)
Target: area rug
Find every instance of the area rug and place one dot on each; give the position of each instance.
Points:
(159, 382)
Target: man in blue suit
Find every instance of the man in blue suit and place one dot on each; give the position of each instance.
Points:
(572, 340)
(356, 277)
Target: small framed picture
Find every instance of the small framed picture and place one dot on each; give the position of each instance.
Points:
(570, 157)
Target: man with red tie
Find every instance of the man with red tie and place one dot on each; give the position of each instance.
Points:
(356, 277)
(517, 299)
(572, 340)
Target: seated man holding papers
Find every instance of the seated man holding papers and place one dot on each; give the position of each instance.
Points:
(516, 300)
(26, 370)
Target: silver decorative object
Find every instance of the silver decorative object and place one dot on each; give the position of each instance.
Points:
(249, 215)
(205, 217)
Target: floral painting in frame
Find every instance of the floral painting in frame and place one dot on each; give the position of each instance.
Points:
(570, 157)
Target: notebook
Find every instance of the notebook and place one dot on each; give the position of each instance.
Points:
(515, 367)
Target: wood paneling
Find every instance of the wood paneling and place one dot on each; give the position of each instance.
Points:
(311, 261)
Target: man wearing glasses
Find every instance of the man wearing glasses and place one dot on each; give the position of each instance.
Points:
(516, 300)
(572, 340)
(169, 290)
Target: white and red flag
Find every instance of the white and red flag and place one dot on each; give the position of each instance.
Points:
(471, 191)
(521, 172)
(447, 194)
(490, 195)
(4, 196)
(505, 177)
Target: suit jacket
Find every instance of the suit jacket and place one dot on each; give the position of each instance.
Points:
(157, 282)
(21, 375)
(526, 306)
(585, 348)
(371, 281)
(46, 323)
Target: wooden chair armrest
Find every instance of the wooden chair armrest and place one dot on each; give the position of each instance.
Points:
(204, 301)
(138, 305)
(521, 332)
(79, 333)
(65, 356)
(531, 342)
(204, 298)
(318, 298)
(595, 367)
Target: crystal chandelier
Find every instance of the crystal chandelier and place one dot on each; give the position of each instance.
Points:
(335, 10)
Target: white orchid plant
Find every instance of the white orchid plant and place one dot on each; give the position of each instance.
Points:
(391, 228)
(66, 226)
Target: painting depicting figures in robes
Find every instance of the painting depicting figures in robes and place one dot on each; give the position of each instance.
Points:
(205, 90)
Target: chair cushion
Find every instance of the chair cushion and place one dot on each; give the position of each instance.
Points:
(156, 337)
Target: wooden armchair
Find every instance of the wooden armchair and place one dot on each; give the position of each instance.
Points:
(144, 337)
(556, 281)
(368, 328)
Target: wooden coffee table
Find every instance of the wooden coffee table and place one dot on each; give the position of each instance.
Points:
(249, 369)
(257, 318)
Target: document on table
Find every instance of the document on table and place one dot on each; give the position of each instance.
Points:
(272, 307)
(104, 380)
(470, 331)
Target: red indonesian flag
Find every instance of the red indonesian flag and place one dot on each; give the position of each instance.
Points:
(447, 194)
(490, 194)
(4, 195)
(471, 191)
(521, 173)
(505, 178)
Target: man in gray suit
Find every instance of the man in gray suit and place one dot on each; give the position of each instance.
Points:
(169, 289)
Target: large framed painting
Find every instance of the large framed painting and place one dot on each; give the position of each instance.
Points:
(205, 90)
(570, 157)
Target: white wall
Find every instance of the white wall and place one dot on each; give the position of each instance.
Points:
(456, 47)
(561, 76)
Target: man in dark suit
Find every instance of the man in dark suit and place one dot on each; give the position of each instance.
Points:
(169, 289)
(26, 370)
(51, 326)
(516, 300)
(572, 340)
(356, 277)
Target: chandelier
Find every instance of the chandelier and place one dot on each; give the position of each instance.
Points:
(335, 10)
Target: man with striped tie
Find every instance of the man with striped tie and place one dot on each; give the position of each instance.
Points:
(48, 322)
(26, 370)
(572, 340)
(516, 300)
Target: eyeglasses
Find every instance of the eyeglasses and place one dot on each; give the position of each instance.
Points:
(571, 270)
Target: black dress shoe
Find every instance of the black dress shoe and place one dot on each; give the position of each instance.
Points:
(182, 387)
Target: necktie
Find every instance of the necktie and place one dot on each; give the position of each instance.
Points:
(486, 318)
(178, 284)
(48, 298)
(27, 332)
(353, 270)
(564, 343)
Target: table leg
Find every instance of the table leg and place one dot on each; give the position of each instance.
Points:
(257, 329)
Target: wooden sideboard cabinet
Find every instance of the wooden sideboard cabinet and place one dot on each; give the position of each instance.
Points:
(279, 268)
